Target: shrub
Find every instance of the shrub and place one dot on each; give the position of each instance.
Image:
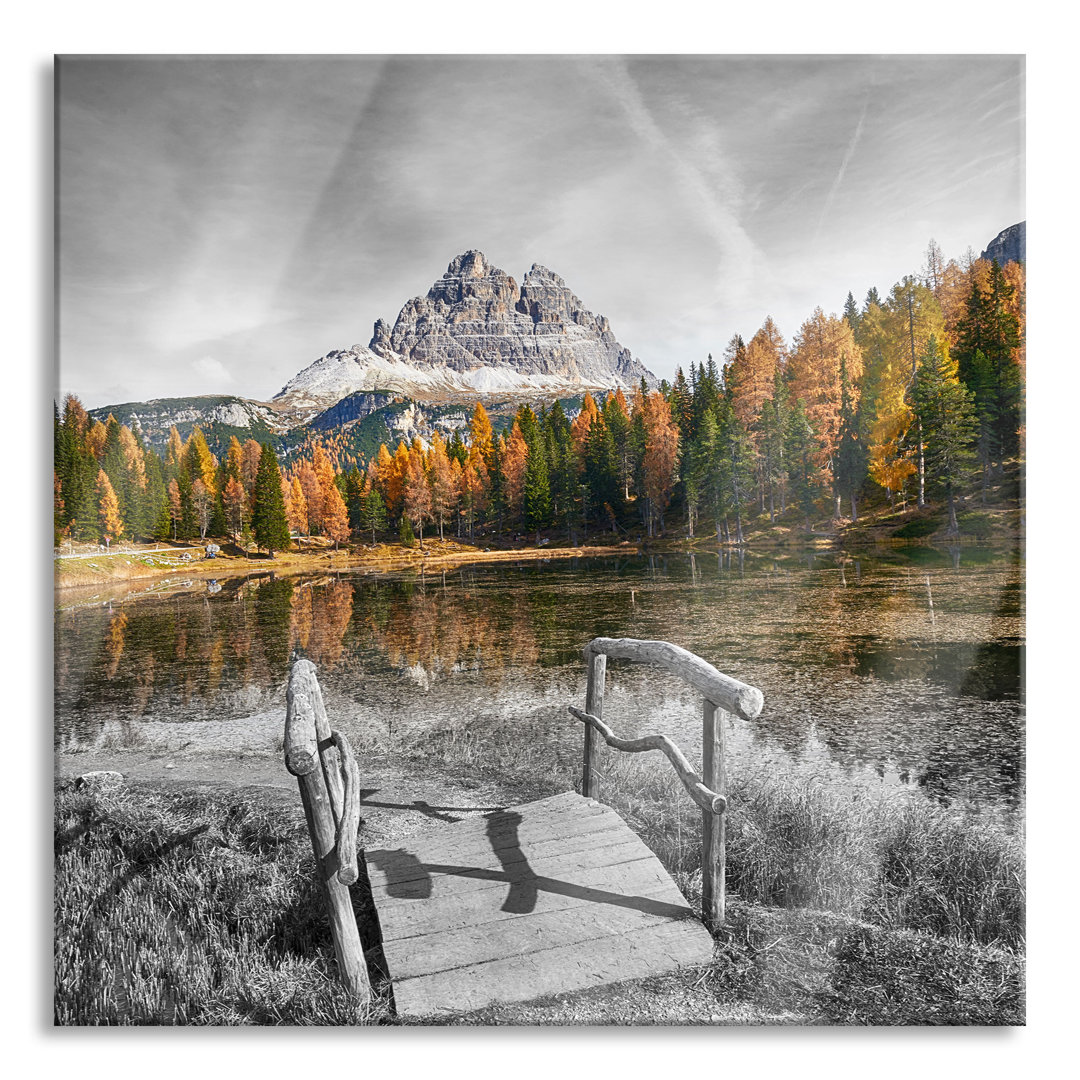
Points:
(975, 524)
(917, 527)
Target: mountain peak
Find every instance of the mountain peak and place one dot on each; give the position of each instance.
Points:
(476, 332)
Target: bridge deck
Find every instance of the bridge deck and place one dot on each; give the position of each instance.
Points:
(553, 896)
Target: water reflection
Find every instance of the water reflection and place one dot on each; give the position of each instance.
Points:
(904, 665)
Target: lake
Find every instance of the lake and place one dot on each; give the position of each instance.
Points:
(900, 667)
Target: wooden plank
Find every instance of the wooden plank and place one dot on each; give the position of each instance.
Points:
(568, 897)
(579, 966)
(491, 848)
(618, 885)
(454, 947)
(390, 869)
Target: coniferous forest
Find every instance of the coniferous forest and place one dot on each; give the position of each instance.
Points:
(913, 397)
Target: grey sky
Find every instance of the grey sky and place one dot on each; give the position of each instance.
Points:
(224, 222)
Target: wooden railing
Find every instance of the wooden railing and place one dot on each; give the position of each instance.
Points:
(325, 768)
(722, 694)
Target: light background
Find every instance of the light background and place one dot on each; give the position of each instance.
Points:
(1044, 1047)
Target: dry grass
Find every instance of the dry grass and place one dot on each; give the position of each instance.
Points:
(189, 910)
(201, 909)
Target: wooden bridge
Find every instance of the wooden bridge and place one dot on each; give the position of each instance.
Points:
(548, 897)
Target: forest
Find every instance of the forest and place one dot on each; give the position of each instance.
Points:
(915, 395)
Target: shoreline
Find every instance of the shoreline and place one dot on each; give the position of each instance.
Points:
(124, 567)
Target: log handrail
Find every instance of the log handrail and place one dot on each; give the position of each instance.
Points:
(325, 768)
(723, 695)
(349, 823)
(705, 797)
(722, 690)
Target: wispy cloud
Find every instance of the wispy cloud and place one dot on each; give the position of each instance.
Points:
(849, 153)
(717, 209)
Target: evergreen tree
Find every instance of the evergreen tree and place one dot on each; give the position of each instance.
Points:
(536, 503)
(851, 314)
(268, 519)
(802, 472)
(990, 327)
(456, 450)
(600, 473)
(354, 499)
(944, 405)
(373, 513)
(851, 461)
(562, 465)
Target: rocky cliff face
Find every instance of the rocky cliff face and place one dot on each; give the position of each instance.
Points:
(477, 333)
(1010, 245)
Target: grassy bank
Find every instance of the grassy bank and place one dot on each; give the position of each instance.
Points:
(195, 908)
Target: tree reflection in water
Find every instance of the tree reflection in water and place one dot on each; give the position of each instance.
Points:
(847, 651)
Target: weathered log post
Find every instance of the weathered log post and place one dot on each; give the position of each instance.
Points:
(315, 757)
(594, 705)
(722, 695)
(713, 823)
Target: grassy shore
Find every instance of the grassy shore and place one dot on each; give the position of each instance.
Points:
(177, 907)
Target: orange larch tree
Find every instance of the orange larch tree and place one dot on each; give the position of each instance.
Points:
(335, 522)
(417, 495)
(513, 469)
(312, 490)
(443, 489)
(480, 432)
(814, 367)
(661, 457)
(297, 508)
(108, 509)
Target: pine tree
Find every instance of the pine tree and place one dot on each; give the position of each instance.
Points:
(268, 520)
(851, 314)
(562, 464)
(802, 472)
(850, 454)
(373, 513)
(536, 483)
(946, 411)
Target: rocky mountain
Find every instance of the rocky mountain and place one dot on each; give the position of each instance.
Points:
(1010, 245)
(476, 333)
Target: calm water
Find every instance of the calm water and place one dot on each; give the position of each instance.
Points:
(864, 677)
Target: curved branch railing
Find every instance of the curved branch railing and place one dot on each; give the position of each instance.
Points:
(705, 797)
(722, 694)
